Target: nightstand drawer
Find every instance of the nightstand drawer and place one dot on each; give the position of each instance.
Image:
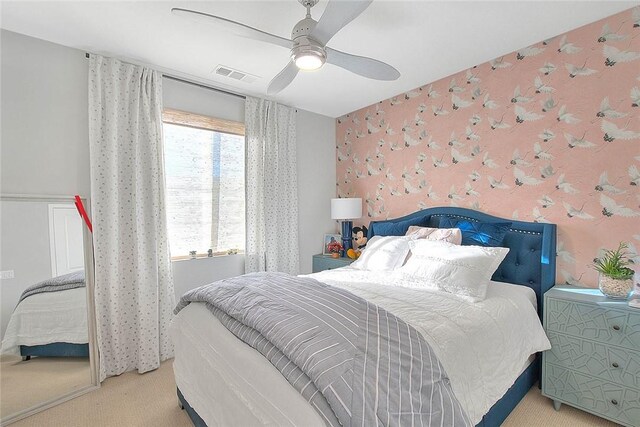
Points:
(613, 364)
(595, 322)
(326, 262)
(609, 400)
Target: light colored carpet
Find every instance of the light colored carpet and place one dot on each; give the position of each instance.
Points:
(26, 384)
(535, 410)
(150, 400)
(128, 400)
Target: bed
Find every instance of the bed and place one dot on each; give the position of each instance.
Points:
(50, 320)
(225, 382)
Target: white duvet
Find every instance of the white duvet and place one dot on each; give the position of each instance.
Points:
(483, 346)
(47, 318)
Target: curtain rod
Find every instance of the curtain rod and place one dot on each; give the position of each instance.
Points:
(191, 82)
(215, 89)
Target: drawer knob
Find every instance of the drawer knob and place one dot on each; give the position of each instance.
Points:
(615, 402)
(616, 327)
(615, 365)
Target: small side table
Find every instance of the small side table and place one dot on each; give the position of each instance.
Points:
(326, 262)
(594, 361)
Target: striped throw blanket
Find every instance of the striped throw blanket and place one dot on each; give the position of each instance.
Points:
(355, 363)
(56, 284)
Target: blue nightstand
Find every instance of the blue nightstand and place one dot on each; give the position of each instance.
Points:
(326, 262)
(594, 361)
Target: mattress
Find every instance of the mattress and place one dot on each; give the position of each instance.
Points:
(483, 347)
(47, 318)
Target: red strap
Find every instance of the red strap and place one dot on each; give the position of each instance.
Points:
(83, 213)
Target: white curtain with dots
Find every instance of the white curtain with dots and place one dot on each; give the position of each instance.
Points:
(271, 187)
(133, 282)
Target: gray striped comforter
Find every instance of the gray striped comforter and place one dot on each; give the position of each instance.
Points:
(56, 284)
(355, 363)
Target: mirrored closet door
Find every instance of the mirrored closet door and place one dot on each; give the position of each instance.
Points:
(46, 278)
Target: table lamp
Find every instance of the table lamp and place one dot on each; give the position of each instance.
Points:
(346, 210)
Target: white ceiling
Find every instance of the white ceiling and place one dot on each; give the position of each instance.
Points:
(424, 40)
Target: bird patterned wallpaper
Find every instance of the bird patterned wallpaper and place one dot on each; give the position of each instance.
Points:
(550, 133)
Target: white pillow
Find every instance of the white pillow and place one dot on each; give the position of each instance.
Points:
(383, 253)
(461, 270)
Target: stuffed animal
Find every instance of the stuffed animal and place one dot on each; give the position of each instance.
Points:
(360, 236)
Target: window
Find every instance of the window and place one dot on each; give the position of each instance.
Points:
(204, 172)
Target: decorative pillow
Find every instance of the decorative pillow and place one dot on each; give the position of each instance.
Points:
(478, 233)
(461, 270)
(451, 235)
(383, 253)
(389, 228)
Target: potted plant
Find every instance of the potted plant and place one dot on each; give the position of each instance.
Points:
(615, 279)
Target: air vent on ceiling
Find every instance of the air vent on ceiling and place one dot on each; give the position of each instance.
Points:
(225, 71)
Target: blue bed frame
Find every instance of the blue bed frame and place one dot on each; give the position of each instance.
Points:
(56, 349)
(531, 262)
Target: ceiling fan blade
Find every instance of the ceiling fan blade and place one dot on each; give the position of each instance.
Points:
(283, 79)
(233, 26)
(336, 15)
(361, 65)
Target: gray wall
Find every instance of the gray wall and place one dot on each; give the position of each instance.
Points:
(316, 154)
(45, 149)
(186, 97)
(24, 245)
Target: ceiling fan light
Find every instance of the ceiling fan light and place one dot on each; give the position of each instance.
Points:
(307, 54)
(309, 61)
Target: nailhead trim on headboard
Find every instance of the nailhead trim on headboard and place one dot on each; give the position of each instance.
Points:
(477, 220)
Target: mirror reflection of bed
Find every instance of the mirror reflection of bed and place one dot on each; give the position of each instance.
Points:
(45, 351)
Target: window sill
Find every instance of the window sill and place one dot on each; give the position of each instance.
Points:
(205, 256)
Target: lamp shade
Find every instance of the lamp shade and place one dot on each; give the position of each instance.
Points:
(346, 208)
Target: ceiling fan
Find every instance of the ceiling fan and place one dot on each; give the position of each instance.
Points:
(308, 43)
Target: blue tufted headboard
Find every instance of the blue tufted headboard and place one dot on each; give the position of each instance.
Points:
(531, 260)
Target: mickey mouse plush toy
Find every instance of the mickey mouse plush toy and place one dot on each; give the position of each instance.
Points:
(360, 236)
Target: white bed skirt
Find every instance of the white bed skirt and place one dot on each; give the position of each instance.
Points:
(47, 318)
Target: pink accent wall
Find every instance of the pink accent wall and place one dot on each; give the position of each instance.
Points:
(549, 133)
